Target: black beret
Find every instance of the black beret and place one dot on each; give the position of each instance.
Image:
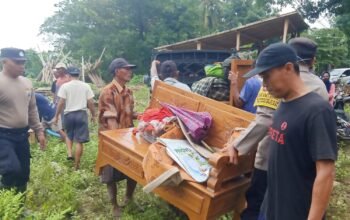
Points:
(304, 47)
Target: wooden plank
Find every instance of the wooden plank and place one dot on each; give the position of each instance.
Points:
(238, 41)
(285, 30)
(175, 96)
(241, 67)
(199, 45)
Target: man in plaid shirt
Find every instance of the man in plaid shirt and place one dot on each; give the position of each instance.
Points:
(213, 87)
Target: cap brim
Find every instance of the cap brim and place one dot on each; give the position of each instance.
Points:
(19, 59)
(256, 71)
(131, 66)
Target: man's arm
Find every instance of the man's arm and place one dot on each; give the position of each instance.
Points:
(154, 73)
(237, 101)
(252, 135)
(322, 188)
(59, 109)
(91, 107)
(34, 122)
(33, 116)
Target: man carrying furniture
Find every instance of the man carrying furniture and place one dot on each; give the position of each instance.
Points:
(116, 111)
(303, 145)
(256, 133)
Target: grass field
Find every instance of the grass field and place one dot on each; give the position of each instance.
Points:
(56, 191)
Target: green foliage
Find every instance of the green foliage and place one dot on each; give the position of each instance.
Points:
(37, 84)
(332, 48)
(340, 201)
(125, 28)
(342, 164)
(313, 9)
(240, 12)
(33, 64)
(336, 10)
(11, 204)
(57, 183)
(141, 94)
(132, 28)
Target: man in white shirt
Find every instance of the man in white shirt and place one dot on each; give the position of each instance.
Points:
(77, 96)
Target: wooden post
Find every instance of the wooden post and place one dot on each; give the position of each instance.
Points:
(238, 41)
(199, 45)
(82, 68)
(285, 30)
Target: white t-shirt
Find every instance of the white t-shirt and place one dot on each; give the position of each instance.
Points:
(76, 93)
(171, 81)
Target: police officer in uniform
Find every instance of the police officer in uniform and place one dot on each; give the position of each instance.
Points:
(18, 113)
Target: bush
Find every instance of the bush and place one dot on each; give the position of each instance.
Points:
(11, 204)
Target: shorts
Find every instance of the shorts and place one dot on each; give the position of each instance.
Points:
(76, 126)
(14, 157)
(51, 125)
(111, 175)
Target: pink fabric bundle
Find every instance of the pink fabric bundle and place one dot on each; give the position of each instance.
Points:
(197, 123)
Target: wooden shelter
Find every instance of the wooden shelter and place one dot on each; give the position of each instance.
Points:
(281, 25)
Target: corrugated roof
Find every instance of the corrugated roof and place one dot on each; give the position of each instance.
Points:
(249, 33)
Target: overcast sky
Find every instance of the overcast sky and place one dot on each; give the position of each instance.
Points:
(20, 21)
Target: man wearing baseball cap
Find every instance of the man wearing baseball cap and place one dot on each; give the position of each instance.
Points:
(62, 77)
(18, 113)
(302, 146)
(75, 97)
(256, 133)
(116, 111)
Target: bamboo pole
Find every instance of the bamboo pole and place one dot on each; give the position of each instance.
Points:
(82, 68)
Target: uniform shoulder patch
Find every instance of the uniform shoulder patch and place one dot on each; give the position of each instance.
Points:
(265, 99)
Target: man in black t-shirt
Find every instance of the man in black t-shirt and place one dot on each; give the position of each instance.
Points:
(303, 145)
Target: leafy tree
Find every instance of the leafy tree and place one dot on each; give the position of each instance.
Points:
(240, 12)
(131, 28)
(338, 10)
(33, 64)
(127, 28)
(332, 48)
(211, 13)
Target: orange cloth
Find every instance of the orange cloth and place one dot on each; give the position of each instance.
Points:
(155, 114)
